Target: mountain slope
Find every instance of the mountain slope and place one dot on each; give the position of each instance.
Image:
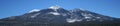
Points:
(57, 16)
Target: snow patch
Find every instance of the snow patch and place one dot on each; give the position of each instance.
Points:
(73, 20)
(87, 17)
(79, 20)
(54, 13)
(34, 10)
(78, 9)
(35, 15)
(64, 14)
(98, 17)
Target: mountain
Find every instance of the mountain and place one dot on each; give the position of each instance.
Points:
(57, 16)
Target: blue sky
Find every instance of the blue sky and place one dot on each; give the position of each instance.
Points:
(19, 7)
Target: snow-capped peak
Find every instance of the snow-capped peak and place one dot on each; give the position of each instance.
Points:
(34, 10)
(54, 7)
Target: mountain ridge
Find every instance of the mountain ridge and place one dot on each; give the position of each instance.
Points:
(57, 16)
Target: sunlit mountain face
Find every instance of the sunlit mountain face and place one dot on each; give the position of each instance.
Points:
(57, 16)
